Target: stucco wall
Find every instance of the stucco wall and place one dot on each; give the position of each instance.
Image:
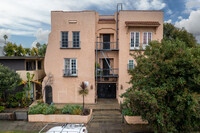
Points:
(65, 89)
(124, 39)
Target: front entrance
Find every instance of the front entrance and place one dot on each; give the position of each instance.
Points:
(106, 90)
(48, 94)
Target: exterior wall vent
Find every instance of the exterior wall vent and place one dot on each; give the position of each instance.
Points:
(72, 21)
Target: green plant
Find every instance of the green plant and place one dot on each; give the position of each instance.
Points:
(165, 86)
(70, 109)
(42, 109)
(76, 111)
(2, 108)
(9, 80)
(83, 91)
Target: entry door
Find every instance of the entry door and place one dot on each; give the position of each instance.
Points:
(106, 41)
(48, 94)
(106, 70)
(106, 90)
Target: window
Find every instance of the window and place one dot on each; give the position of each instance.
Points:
(70, 67)
(30, 65)
(39, 65)
(135, 40)
(147, 37)
(76, 39)
(64, 39)
(130, 64)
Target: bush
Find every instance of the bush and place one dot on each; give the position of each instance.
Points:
(42, 109)
(2, 108)
(72, 109)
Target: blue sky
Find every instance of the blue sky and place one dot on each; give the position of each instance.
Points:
(27, 22)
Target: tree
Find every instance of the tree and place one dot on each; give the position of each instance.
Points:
(5, 37)
(42, 50)
(173, 33)
(83, 91)
(34, 51)
(20, 51)
(8, 81)
(165, 86)
(27, 51)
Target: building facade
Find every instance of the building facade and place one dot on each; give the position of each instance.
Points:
(84, 46)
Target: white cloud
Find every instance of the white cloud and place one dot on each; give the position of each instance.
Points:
(169, 11)
(41, 36)
(168, 21)
(191, 24)
(191, 5)
(180, 17)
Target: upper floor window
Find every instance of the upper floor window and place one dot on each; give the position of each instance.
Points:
(147, 37)
(64, 39)
(39, 65)
(30, 65)
(135, 40)
(76, 39)
(130, 64)
(70, 67)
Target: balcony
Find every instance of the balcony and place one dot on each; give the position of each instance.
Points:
(107, 46)
(113, 72)
(70, 44)
(138, 46)
(70, 73)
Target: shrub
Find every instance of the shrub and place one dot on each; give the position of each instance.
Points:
(72, 109)
(42, 109)
(2, 108)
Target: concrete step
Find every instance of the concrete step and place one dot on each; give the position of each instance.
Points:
(107, 117)
(104, 120)
(106, 112)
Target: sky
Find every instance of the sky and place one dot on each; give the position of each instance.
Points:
(27, 22)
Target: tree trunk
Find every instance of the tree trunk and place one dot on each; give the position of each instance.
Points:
(83, 102)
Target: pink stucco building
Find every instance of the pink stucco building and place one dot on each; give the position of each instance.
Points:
(86, 46)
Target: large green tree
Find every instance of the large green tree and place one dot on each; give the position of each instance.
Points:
(42, 50)
(8, 81)
(170, 32)
(165, 86)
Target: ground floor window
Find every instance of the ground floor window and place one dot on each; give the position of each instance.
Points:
(70, 67)
(130, 64)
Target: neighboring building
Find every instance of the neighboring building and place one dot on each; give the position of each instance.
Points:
(22, 65)
(79, 39)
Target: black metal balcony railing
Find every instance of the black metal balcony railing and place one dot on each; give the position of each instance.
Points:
(138, 46)
(70, 72)
(113, 72)
(107, 46)
(70, 44)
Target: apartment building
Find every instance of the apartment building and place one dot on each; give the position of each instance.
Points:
(84, 46)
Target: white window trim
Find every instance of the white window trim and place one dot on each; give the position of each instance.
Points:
(129, 63)
(70, 65)
(132, 48)
(73, 37)
(144, 45)
(67, 37)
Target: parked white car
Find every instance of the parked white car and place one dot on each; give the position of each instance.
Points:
(67, 128)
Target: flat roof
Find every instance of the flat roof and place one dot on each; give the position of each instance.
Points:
(21, 57)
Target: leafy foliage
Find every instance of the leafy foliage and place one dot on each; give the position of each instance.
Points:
(42, 50)
(9, 80)
(42, 109)
(2, 108)
(165, 86)
(173, 33)
(83, 91)
(72, 109)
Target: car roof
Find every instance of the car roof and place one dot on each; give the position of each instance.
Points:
(67, 128)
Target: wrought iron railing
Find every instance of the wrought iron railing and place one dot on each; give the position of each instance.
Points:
(70, 72)
(113, 72)
(70, 44)
(138, 46)
(107, 46)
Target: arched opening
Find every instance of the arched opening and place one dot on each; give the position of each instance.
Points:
(48, 94)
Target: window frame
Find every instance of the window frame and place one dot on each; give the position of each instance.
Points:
(63, 41)
(135, 32)
(133, 65)
(75, 41)
(144, 45)
(70, 67)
